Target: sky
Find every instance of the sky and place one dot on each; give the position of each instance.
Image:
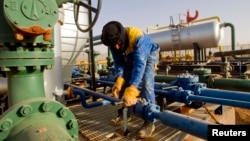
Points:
(144, 13)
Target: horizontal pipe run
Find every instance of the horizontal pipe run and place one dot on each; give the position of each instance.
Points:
(231, 84)
(229, 102)
(225, 94)
(225, 97)
(157, 85)
(231, 53)
(81, 93)
(165, 78)
(193, 126)
(187, 96)
(96, 94)
(108, 83)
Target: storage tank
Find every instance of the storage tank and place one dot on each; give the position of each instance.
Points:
(72, 39)
(206, 35)
(69, 44)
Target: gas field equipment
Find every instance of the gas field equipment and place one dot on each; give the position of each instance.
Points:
(26, 51)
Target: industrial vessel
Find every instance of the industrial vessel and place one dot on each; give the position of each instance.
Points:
(197, 83)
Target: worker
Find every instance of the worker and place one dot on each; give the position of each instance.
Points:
(135, 55)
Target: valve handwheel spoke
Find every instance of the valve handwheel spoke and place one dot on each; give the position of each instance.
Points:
(91, 9)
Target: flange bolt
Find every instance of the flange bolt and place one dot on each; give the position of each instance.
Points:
(25, 110)
(5, 125)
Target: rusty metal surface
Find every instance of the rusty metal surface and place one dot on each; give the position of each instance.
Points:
(94, 125)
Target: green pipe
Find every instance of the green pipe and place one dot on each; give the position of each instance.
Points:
(24, 85)
(231, 84)
(165, 78)
(24, 56)
(41, 129)
(233, 41)
(38, 119)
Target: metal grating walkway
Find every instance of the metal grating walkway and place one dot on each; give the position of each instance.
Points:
(94, 125)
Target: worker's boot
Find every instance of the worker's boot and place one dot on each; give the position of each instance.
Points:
(118, 121)
(147, 130)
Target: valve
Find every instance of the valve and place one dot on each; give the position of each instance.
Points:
(91, 9)
(189, 18)
(31, 18)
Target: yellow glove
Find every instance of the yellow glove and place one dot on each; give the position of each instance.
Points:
(130, 96)
(117, 86)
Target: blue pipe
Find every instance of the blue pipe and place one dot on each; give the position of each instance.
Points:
(108, 83)
(81, 92)
(187, 96)
(176, 94)
(194, 126)
(184, 123)
(237, 103)
(157, 85)
(225, 94)
(199, 93)
(89, 105)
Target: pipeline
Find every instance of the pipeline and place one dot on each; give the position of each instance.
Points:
(165, 78)
(84, 99)
(233, 42)
(233, 52)
(192, 92)
(151, 112)
(81, 92)
(31, 115)
(234, 84)
(187, 96)
(188, 93)
(187, 124)
(194, 126)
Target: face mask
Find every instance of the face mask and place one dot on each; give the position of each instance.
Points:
(118, 47)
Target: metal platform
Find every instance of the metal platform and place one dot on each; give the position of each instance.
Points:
(94, 126)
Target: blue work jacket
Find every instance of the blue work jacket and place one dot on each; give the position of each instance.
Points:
(131, 63)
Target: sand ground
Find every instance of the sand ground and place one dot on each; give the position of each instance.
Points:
(242, 116)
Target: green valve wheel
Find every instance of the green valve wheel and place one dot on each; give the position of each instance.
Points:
(31, 17)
